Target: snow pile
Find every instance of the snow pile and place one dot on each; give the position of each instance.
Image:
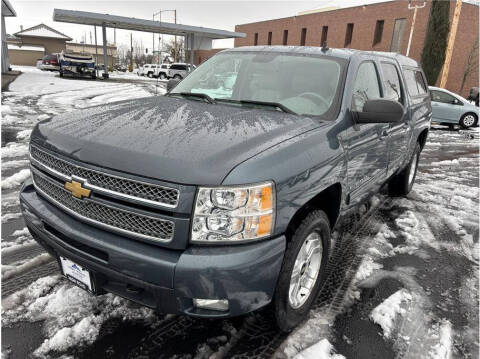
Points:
(21, 232)
(443, 349)
(24, 134)
(72, 316)
(9, 271)
(16, 179)
(322, 350)
(386, 313)
(13, 149)
(9, 216)
(14, 164)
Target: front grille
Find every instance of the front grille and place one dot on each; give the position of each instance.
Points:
(104, 215)
(139, 190)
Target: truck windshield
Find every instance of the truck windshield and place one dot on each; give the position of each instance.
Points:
(304, 85)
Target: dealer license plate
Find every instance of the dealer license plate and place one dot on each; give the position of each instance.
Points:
(76, 273)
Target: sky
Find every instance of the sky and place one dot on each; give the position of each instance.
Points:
(223, 14)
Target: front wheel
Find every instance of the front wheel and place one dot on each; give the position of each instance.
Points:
(163, 76)
(177, 77)
(468, 120)
(303, 271)
(401, 184)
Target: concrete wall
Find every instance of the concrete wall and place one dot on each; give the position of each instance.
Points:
(24, 57)
(364, 19)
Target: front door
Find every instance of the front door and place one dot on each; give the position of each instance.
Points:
(445, 107)
(366, 144)
(398, 132)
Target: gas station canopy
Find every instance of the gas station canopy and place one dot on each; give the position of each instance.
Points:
(131, 23)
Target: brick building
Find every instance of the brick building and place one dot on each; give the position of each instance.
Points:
(379, 27)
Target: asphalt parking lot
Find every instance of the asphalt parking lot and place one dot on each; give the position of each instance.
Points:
(402, 282)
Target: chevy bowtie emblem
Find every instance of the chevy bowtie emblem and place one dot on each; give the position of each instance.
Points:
(77, 189)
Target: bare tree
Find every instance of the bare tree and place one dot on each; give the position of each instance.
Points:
(472, 63)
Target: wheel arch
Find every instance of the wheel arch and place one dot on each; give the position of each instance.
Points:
(328, 200)
(422, 138)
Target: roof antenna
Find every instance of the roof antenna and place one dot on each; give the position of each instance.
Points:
(324, 47)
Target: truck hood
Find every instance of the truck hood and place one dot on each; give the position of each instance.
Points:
(166, 138)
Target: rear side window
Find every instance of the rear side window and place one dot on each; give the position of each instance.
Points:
(366, 86)
(415, 82)
(421, 85)
(178, 67)
(392, 85)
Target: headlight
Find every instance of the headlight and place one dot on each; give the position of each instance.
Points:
(233, 214)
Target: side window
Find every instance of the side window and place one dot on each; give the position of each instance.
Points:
(411, 82)
(392, 84)
(439, 96)
(366, 86)
(422, 87)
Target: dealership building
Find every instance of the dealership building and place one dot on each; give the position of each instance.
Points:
(379, 27)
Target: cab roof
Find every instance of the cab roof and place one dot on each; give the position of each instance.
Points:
(335, 52)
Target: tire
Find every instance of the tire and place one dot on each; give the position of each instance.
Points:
(177, 77)
(150, 74)
(289, 310)
(401, 184)
(468, 120)
(61, 74)
(162, 76)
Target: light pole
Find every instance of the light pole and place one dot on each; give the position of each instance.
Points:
(415, 8)
(175, 16)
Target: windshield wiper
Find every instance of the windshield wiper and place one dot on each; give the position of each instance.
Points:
(194, 94)
(276, 105)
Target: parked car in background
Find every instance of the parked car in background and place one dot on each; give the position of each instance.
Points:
(474, 95)
(214, 201)
(179, 70)
(77, 65)
(121, 68)
(162, 71)
(50, 63)
(452, 109)
(147, 70)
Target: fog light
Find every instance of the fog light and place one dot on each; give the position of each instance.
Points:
(212, 304)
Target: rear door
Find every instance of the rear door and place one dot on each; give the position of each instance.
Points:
(366, 143)
(398, 132)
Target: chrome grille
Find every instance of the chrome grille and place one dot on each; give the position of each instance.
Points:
(122, 186)
(104, 215)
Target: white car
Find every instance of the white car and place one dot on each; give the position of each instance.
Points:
(153, 70)
(179, 70)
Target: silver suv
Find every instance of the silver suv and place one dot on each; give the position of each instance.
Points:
(179, 70)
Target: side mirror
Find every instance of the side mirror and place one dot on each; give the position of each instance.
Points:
(171, 84)
(380, 111)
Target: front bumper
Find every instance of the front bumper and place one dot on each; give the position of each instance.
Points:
(164, 279)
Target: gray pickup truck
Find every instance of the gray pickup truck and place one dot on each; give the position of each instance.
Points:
(219, 198)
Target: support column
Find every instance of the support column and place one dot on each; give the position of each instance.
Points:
(192, 50)
(105, 65)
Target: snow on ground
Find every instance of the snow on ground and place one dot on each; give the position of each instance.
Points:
(72, 316)
(386, 313)
(322, 350)
(16, 179)
(17, 268)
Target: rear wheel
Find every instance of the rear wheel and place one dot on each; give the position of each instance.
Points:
(177, 77)
(468, 120)
(303, 271)
(401, 184)
(163, 76)
(150, 74)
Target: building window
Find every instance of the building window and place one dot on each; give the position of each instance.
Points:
(377, 37)
(398, 34)
(270, 38)
(304, 37)
(324, 35)
(285, 37)
(255, 40)
(349, 35)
